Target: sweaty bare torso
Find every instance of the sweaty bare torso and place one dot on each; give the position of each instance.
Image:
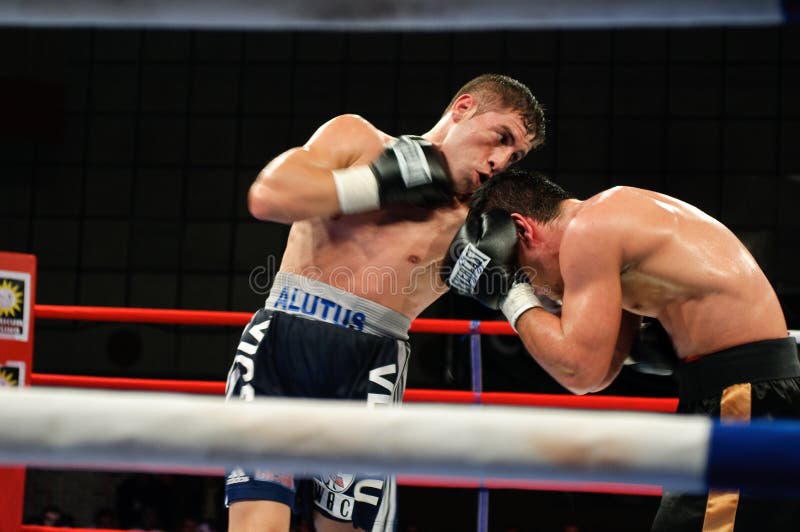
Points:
(686, 269)
(391, 256)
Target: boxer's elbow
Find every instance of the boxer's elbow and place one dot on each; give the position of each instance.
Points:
(580, 385)
(575, 365)
(266, 202)
(583, 374)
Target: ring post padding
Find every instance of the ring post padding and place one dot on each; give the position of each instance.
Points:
(763, 455)
(18, 291)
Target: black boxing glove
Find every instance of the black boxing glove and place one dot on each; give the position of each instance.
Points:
(410, 171)
(481, 263)
(652, 351)
(480, 260)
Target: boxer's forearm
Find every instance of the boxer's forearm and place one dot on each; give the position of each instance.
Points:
(629, 326)
(578, 368)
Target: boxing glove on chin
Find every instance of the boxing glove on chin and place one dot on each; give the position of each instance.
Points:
(410, 171)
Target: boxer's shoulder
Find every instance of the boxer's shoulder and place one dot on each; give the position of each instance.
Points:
(349, 134)
(353, 125)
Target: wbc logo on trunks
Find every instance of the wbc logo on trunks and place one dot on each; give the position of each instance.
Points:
(339, 482)
(468, 269)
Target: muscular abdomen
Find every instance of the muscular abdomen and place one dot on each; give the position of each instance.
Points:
(389, 257)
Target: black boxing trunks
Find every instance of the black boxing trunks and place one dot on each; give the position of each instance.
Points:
(315, 341)
(754, 380)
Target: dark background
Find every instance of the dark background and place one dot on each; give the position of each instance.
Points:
(125, 158)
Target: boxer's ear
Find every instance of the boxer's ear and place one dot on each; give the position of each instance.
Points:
(463, 108)
(526, 230)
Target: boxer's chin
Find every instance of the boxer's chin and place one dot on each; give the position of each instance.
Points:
(464, 198)
(464, 190)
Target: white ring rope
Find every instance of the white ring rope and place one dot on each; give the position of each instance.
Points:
(122, 430)
(374, 15)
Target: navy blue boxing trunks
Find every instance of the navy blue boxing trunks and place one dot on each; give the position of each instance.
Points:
(754, 380)
(315, 341)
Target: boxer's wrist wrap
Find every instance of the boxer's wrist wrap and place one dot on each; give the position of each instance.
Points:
(520, 298)
(357, 189)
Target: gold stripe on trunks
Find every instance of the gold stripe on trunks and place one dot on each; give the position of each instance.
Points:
(721, 506)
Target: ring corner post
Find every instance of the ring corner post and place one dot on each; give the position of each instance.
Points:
(17, 298)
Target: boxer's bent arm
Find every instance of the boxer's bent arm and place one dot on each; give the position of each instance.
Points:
(293, 188)
(629, 327)
(298, 184)
(578, 348)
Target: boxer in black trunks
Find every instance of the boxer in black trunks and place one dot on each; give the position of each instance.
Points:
(372, 217)
(611, 259)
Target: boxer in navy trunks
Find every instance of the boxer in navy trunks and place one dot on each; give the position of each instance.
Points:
(372, 217)
(315, 341)
(618, 256)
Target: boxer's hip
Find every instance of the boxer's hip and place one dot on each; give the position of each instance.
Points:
(754, 380)
(307, 298)
(753, 362)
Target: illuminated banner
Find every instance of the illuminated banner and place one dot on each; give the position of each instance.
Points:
(15, 305)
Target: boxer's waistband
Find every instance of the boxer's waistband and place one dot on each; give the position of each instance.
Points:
(302, 296)
(751, 362)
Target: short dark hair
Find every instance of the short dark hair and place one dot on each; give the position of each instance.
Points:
(523, 191)
(496, 91)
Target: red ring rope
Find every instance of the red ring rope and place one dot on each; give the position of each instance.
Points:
(220, 317)
(226, 318)
(594, 402)
(38, 528)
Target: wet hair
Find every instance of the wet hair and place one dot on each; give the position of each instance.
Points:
(522, 191)
(496, 92)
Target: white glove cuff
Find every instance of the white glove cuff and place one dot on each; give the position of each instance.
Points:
(520, 298)
(357, 189)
